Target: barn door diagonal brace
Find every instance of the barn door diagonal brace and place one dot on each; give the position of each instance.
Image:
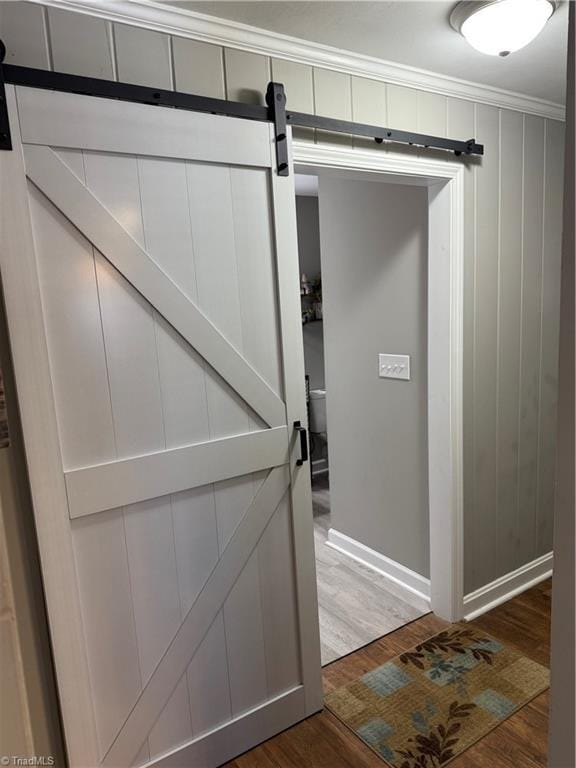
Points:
(5, 137)
(274, 111)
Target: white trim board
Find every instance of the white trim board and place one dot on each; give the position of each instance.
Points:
(444, 180)
(231, 34)
(506, 587)
(396, 572)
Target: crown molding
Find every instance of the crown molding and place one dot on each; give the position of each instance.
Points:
(231, 34)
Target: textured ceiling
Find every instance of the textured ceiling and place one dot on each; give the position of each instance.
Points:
(412, 32)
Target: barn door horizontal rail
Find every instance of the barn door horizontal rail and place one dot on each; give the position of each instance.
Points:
(275, 111)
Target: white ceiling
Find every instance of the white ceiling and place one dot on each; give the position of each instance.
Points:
(412, 32)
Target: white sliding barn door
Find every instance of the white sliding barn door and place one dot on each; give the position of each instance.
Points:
(151, 281)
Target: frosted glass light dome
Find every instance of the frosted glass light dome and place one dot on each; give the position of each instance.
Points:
(500, 27)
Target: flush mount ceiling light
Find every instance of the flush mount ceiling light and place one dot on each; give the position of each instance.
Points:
(500, 27)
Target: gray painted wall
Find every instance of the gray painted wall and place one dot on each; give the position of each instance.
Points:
(308, 235)
(309, 260)
(512, 240)
(374, 244)
(313, 334)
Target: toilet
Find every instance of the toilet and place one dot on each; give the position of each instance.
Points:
(318, 411)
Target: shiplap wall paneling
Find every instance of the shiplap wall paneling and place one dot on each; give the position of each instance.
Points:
(461, 122)
(551, 256)
(298, 83)
(433, 114)
(402, 108)
(529, 400)
(510, 528)
(332, 98)
(483, 506)
(432, 120)
(80, 44)
(143, 57)
(198, 67)
(23, 31)
(247, 76)
(369, 105)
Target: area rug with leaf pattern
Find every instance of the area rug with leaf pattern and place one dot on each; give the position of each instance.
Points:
(424, 708)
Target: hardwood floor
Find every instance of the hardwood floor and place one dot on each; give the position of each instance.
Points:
(322, 741)
(356, 604)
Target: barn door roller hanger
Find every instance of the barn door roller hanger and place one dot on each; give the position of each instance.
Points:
(275, 110)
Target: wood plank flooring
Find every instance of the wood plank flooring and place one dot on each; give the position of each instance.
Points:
(356, 604)
(322, 741)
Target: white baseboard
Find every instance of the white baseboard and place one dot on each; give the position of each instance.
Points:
(508, 586)
(475, 604)
(396, 572)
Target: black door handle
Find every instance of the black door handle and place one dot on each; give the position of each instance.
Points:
(303, 443)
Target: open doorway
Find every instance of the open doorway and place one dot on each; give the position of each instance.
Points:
(363, 259)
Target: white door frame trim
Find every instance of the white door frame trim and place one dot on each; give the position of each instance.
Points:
(445, 182)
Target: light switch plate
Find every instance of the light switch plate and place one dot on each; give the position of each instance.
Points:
(394, 367)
